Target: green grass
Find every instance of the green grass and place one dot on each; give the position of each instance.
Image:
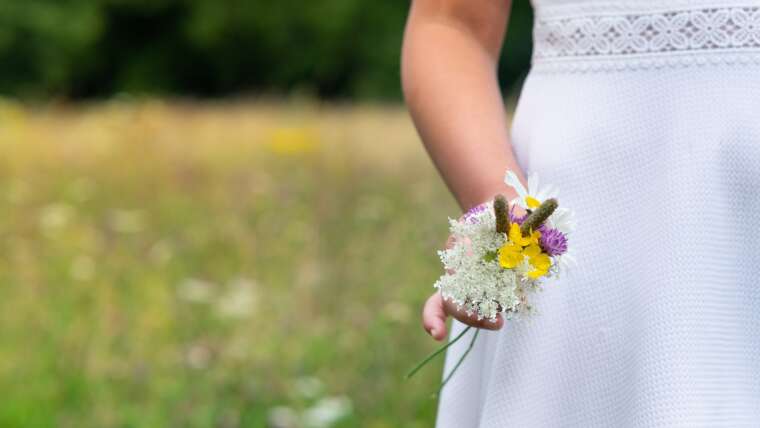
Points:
(215, 265)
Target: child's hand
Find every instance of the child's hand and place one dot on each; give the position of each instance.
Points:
(437, 309)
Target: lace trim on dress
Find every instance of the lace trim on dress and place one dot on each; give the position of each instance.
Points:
(731, 29)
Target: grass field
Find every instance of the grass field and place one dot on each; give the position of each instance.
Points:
(196, 265)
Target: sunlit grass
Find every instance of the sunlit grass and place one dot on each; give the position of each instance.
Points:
(215, 265)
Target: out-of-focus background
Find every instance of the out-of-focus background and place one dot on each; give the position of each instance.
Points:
(215, 213)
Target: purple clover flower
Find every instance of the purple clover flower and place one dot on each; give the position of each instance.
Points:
(472, 212)
(552, 241)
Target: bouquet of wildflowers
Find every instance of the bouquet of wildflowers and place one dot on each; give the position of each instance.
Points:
(498, 257)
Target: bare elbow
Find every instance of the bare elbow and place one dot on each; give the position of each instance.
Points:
(484, 21)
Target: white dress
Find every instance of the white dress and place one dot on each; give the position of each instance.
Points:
(646, 115)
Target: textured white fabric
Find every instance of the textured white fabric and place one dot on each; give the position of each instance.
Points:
(650, 32)
(659, 325)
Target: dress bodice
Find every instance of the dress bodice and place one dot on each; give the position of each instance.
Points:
(580, 5)
(593, 34)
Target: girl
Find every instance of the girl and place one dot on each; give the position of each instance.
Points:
(646, 114)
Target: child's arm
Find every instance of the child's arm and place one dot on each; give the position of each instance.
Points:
(449, 76)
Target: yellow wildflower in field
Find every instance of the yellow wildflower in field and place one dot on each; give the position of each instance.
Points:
(293, 141)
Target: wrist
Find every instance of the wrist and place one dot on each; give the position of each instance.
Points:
(486, 196)
(478, 204)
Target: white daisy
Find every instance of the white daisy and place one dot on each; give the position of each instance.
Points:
(567, 261)
(531, 197)
(561, 219)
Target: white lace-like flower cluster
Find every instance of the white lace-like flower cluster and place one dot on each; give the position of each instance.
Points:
(474, 283)
(702, 29)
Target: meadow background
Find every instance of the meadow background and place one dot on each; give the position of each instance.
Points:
(215, 214)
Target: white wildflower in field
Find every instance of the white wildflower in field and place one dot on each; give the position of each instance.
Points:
(82, 268)
(239, 301)
(327, 411)
(308, 387)
(198, 356)
(282, 417)
(55, 216)
(127, 221)
(195, 290)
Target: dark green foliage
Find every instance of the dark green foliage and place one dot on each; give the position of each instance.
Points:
(329, 48)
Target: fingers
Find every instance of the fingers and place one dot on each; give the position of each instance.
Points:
(472, 320)
(482, 323)
(436, 310)
(434, 317)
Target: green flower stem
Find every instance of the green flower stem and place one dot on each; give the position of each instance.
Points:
(431, 356)
(461, 359)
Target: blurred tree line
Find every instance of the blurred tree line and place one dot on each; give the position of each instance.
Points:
(325, 48)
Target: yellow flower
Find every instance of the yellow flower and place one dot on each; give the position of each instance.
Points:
(540, 261)
(535, 274)
(534, 237)
(510, 255)
(294, 141)
(532, 202)
(512, 252)
(516, 237)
